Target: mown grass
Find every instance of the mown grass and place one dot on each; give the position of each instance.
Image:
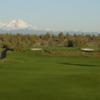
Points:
(33, 76)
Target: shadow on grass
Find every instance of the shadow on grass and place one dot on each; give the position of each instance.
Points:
(88, 65)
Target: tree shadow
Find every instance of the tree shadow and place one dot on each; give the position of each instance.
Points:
(75, 64)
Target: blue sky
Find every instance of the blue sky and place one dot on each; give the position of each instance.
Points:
(83, 15)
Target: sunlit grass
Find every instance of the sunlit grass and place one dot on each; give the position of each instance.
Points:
(31, 75)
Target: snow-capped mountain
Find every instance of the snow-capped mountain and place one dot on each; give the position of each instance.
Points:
(20, 26)
(14, 24)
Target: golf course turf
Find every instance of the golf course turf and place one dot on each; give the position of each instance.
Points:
(30, 76)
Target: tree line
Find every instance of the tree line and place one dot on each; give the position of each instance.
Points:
(25, 41)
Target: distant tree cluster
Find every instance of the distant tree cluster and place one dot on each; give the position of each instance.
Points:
(22, 42)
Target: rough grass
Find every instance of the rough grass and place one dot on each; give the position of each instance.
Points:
(31, 76)
(69, 52)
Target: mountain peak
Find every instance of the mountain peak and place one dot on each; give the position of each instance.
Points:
(16, 24)
(20, 26)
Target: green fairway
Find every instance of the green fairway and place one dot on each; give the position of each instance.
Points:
(32, 76)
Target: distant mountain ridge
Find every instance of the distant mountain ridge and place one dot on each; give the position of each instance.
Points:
(21, 26)
(14, 25)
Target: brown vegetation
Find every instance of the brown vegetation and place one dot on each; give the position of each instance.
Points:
(23, 42)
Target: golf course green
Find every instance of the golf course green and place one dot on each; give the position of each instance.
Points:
(30, 75)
